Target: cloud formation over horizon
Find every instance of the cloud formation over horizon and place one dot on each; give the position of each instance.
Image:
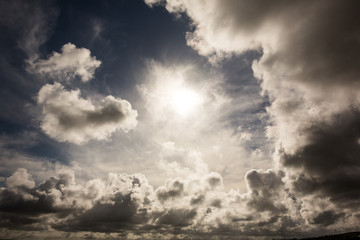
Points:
(196, 203)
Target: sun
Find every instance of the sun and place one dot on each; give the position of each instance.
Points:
(184, 101)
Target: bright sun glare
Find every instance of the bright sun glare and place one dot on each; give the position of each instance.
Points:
(184, 101)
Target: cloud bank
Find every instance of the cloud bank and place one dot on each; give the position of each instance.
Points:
(195, 205)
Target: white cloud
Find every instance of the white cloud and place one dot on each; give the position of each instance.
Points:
(20, 178)
(67, 117)
(71, 62)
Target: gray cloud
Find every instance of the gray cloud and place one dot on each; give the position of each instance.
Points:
(328, 163)
(123, 203)
(68, 117)
(117, 201)
(326, 218)
(173, 189)
(266, 190)
(24, 206)
(20, 178)
(178, 217)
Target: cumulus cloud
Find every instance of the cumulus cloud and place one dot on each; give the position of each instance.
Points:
(20, 178)
(67, 117)
(328, 164)
(123, 202)
(192, 205)
(61, 196)
(266, 189)
(70, 63)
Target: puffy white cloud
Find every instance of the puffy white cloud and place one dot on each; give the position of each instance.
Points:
(71, 62)
(68, 117)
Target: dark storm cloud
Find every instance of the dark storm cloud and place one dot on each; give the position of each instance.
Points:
(321, 50)
(330, 162)
(173, 189)
(22, 204)
(266, 189)
(123, 202)
(122, 212)
(127, 203)
(327, 218)
(178, 217)
(119, 203)
(197, 199)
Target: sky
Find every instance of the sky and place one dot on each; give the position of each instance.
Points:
(179, 119)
